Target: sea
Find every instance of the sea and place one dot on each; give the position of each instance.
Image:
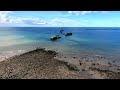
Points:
(85, 40)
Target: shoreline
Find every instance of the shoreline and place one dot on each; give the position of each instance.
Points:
(33, 64)
(11, 53)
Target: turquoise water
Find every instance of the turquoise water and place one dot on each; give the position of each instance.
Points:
(98, 41)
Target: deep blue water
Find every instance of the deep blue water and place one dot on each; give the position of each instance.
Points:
(98, 41)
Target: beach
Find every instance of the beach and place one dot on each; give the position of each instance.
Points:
(90, 53)
(48, 64)
(59, 45)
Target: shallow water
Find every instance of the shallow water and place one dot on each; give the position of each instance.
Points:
(96, 41)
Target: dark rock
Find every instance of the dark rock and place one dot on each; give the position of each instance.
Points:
(98, 69)
(74, 57)
(93, 64)
(83, 69)
(51, 52)
(68, 34)
(109, 63)
(114, 61)
(80, 63)
(101, 57)
(118, 72)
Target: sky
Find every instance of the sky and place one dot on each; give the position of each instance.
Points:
(59, 18)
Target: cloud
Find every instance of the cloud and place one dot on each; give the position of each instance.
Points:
(4, 18)
(79, 12)
(12, 20)
(85, 12)
(30, 21)
(104, 12)
(8, 20)
(63, 22)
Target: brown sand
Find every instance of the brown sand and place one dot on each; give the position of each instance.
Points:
(37, 64)
(42, 64)
(94, 67)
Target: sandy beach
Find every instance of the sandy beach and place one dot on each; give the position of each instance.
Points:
(47, 64)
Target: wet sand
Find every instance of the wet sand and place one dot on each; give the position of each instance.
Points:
(94, 67)
(46, 64)
(7, 54)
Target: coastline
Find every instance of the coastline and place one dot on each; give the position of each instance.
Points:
(11, 53)
(47, 64)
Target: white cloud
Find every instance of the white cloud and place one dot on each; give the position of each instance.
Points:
(30, 21)
(70, 11)
(104, 12)
(64, 22)
(55, 22)
(79, 12)
(4, 18)
(85, 12)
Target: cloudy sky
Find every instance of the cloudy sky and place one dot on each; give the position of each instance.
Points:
(59, 18)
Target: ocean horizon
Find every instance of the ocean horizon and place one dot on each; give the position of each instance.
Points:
(85, 40)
